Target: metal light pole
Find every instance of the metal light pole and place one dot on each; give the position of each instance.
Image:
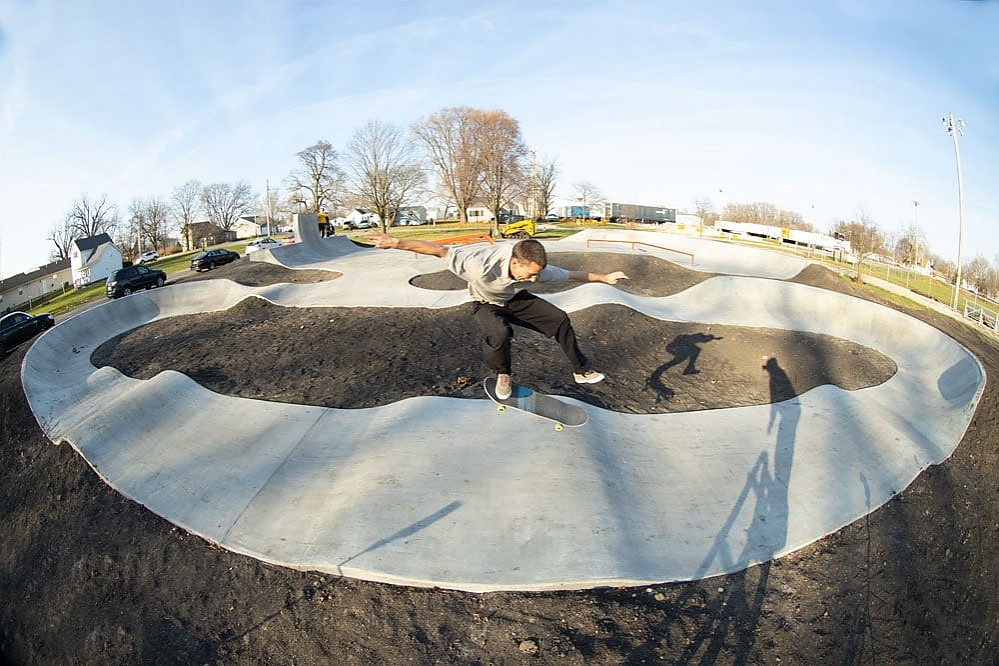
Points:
(915, 240)
(955, 126)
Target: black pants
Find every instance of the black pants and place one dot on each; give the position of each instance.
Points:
(526, 310)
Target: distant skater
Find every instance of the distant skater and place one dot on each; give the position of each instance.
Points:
(496, 275)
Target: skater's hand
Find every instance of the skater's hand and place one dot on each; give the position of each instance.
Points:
(383, 241)
(612, 278)
(386, 242)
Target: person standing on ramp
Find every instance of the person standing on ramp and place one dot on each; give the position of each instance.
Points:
(496, 275)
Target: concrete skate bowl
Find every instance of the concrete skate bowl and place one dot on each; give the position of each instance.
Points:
(443, 492)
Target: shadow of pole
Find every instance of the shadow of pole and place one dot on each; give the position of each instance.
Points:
(401, 534)
(409, 530)
(863, 627)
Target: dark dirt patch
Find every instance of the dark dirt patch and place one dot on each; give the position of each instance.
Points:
(312, 356)
(87, 576)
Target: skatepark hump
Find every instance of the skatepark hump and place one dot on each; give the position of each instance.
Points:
(417, 492)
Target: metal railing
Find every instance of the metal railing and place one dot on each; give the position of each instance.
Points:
(635, 243)
(977, 312)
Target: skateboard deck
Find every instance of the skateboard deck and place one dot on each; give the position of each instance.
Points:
(525, 400)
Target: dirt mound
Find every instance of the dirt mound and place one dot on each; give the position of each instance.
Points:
(339, 357)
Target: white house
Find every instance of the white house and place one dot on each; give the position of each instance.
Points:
(93, 259)
(249, 227)
(360, 219)
(483, 214)
(479, 214)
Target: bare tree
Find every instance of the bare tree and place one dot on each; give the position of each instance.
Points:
(542, 186)
(317, 183)
(911, 246)
(762, 212)
(225, 203)
(981, 276)
(274, 207)
(503, 152)
(452, 142)
(92, 217)
(587, 194)
(866, 239)
(383, 169)
(147, 225)
(61, 235)
(185, 204)
(128, 237)
(706, 211)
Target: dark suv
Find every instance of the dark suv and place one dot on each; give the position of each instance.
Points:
(17, 327)
(209, 259)
(124, 281)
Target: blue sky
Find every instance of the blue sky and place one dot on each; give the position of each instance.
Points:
(826, 109)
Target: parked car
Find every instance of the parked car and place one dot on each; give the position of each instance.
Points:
(551, 217)
(262, 244)
(367, 223)
(409, 221)
(124, 281)
(147, 257)
(18, 327)
(209, 259)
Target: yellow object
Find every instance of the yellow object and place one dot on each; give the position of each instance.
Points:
(522, 229)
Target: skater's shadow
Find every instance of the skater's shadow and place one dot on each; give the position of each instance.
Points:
(755, 532)
(685, 349)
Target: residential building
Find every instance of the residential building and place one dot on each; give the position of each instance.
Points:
(19, 292)
(93, 259)
(250, 226)
(204, 234)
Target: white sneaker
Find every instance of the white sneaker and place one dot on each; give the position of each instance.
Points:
(588, 377)
(504, 387)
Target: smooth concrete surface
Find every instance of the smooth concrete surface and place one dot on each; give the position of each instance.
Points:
(448, 492)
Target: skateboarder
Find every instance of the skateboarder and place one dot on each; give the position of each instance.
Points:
(496, 275)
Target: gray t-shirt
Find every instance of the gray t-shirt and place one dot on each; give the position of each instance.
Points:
(486, 268)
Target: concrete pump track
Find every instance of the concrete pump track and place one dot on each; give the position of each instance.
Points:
(435, 491)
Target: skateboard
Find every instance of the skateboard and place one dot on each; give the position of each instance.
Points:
(525, 400)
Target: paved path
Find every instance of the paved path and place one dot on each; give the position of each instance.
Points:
(447, 492)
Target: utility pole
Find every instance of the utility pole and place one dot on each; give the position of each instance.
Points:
(955, 127)
(267, 201)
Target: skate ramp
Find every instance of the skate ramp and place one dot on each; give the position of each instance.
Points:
(701, 255)
(447, 492)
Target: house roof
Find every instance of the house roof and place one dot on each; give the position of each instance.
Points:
(198, 227)
(42, 271)
(91, 242)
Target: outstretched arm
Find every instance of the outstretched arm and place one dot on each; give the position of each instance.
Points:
(609, 278)
(386, 242)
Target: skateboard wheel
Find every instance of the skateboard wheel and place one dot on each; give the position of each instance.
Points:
(501, 408)
(559, 426)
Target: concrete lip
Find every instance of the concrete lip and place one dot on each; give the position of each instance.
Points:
(446, 492)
